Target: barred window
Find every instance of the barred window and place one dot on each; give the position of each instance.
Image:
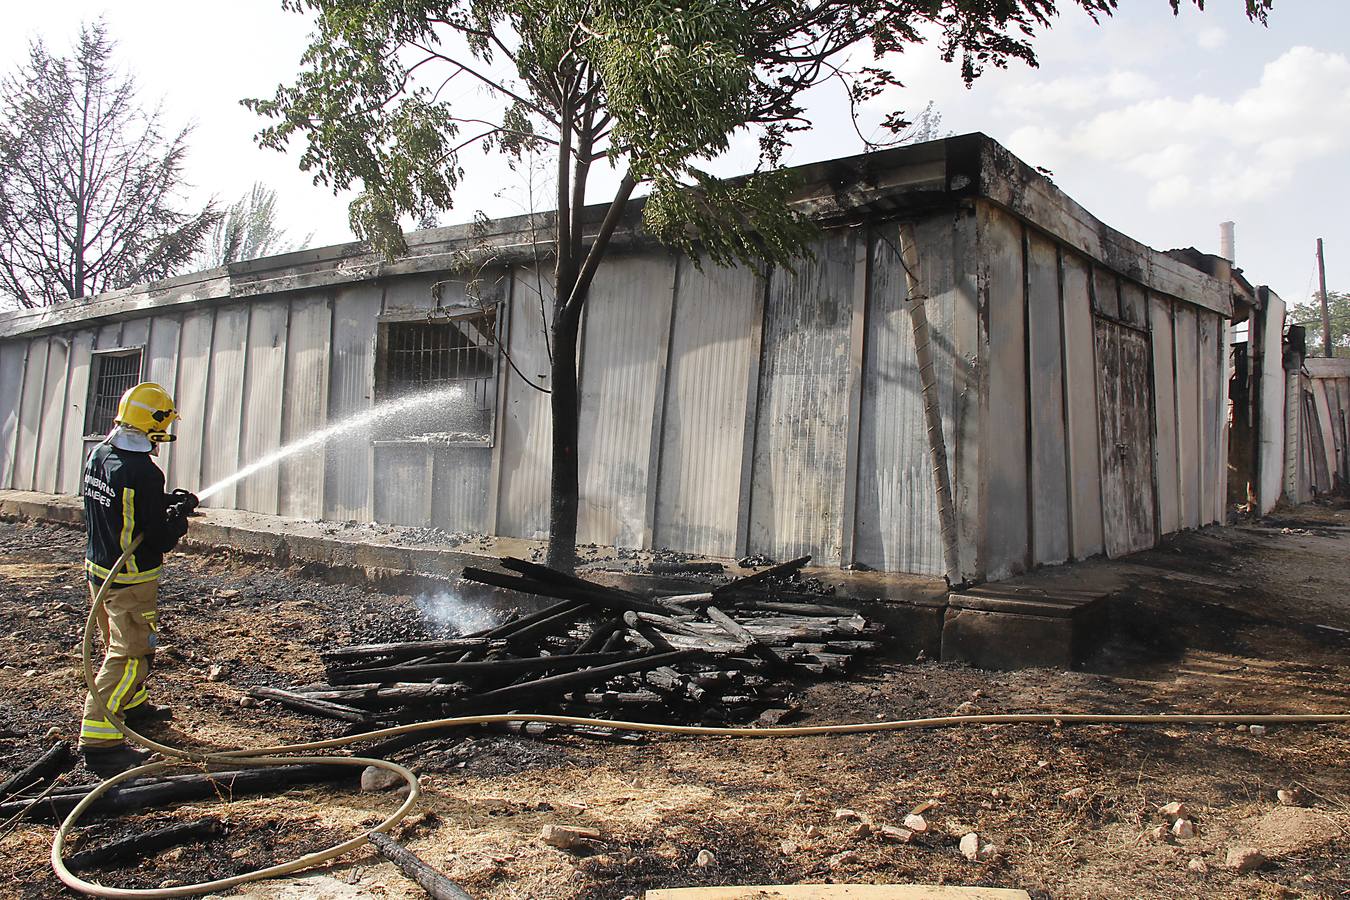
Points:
(111, 374)
(453, 363)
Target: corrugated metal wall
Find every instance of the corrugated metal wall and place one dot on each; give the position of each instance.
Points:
(77, 397)
(709, 404)
(196, 340)
(300, 477)
(260, 422)
(348, 491)
(897, 516)
(523, 455)
(797, 486)
(1050, 399)
(722, 412)
(1323, 427)
(12, 357)
(625, 335)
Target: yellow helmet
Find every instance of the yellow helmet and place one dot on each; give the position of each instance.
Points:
(148, 408)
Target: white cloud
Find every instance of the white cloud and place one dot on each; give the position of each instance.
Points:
(1075, 94)
(1211, 38)
(1202, 147)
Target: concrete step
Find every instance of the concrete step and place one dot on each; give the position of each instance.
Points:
(1016, 626)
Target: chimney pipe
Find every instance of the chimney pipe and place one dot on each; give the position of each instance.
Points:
(1226, 241)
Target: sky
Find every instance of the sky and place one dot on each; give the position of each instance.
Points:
(1161, 126)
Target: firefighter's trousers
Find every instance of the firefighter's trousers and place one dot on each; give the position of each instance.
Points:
(128, 623)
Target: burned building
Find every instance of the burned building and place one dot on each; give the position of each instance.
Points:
(1080, 379)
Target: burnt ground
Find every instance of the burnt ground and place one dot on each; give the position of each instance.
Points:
(1246, 619)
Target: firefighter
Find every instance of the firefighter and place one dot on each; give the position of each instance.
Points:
(124, 497)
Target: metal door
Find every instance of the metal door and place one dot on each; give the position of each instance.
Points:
(1124, 387)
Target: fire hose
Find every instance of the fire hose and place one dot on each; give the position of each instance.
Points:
(282, 755)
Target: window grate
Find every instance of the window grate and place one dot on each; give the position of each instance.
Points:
(117, 372)
(421, 356)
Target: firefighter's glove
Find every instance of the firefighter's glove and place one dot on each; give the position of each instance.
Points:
(180, 505)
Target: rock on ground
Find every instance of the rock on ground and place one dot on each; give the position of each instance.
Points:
(1291, 829)
(1245, 859)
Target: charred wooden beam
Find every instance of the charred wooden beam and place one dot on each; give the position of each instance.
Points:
(543, 627)
(762, 575)
(404, 650)
(179, 788)
(139, 846)
(602, 595)
(506, 629)
(649, 634)
(599, 636)
(53, 762)
(492, 668)
(302, 703)
(617, 640)
(387, 695)
(571, 681)
(437, 886)
(800, 609)
(739, 633)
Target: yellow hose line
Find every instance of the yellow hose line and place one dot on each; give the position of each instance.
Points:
(272, 756)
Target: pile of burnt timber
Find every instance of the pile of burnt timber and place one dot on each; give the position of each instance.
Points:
(724, 654)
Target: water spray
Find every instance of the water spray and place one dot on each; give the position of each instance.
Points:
(364, 419)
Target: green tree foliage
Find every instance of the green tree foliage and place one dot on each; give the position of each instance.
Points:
(88, 181)
(1309, 315)
(655, 89)
(249, 230)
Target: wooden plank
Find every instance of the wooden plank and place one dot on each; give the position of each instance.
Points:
(839, 892)
(1115, 530)
(1136, 433)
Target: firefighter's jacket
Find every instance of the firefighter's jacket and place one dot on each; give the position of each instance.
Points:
(124, 497)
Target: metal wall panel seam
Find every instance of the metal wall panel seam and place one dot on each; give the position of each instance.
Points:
(862, 274)
(1153, 419)
(171, 468)
(331, 364)
(1176, 416)
(498, 432)
(1069, 460)
(1221, 489)
(13, 443)
(967, 451)
(749, 438)
(1029, 554)
(65, 407)
(370, 443)
(244, 380)
(206, 398)
(429, 479)
(984, 427)
(37, 433)
(1201, 456)
(1097, 392)
(660, 401)
(284, 406)
(18, 418)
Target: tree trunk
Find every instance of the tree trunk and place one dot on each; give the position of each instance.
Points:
(566, 406)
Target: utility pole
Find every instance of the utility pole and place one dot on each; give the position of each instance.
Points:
(1327, 349)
